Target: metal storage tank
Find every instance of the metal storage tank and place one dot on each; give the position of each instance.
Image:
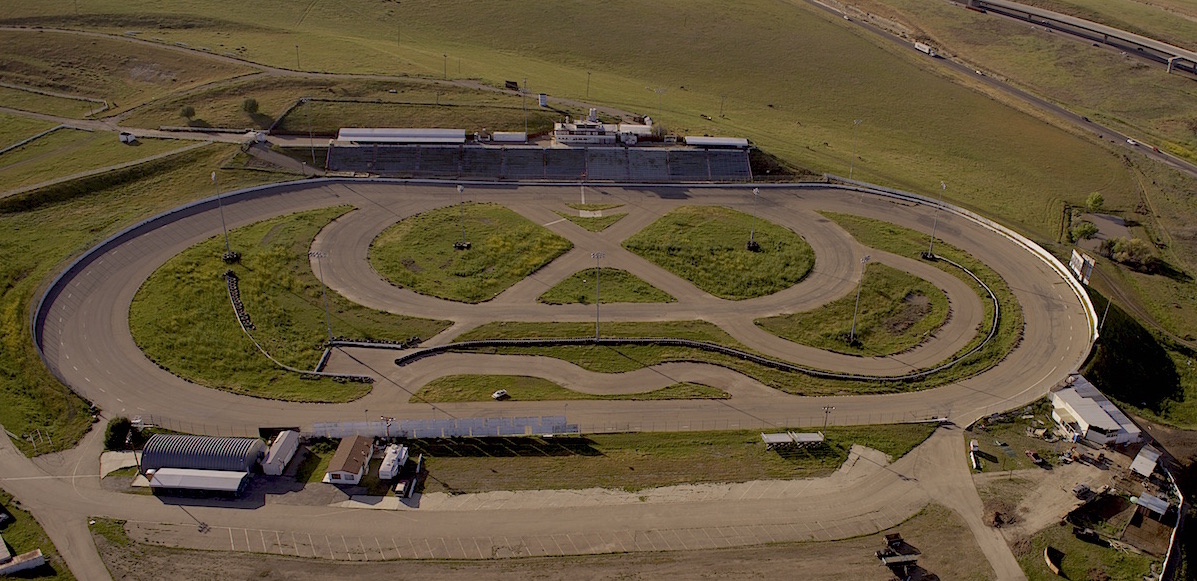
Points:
(201, 453)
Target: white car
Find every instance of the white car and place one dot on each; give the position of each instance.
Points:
(1132, 142)
(501, 394)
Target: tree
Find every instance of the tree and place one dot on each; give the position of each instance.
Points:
(1084, 230)
(1132, 252)
(1095, 202)
(187, 111)
(250, 106)
(117, 433)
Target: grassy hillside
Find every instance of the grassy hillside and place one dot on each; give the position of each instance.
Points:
(790, 77)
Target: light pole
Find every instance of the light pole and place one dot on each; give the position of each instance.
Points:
(446, 55)
(865, 263)
(524, 104)
(827, 409)
(597, 257)
(587, 84)
(943, 188)
(388, 424)
(852, 162)
(752, 245)
(297, 57)
(461, 213)
(220, 204)
(323, 290)
(659, 91)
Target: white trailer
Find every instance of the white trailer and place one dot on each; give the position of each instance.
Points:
(924, 48)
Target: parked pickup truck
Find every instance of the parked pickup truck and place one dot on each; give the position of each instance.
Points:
(1034, 456)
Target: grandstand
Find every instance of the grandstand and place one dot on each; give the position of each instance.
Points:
(619, 164)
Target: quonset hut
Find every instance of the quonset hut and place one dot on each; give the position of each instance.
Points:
(200, 463)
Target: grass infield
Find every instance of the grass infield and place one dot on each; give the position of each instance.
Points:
(706, 246)
(898, 311)
(418, 252)
(615, 286)
(182, 319)
(593, 223)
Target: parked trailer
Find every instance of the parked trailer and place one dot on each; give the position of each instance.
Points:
(924, 48)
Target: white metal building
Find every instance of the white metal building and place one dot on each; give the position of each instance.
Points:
(1145, 461)
(703, 141)
(1084, 412)
(401, 135)
(189, 479)
(280, 453)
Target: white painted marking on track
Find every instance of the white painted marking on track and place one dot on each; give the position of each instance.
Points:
(555, 222)
(232, 545)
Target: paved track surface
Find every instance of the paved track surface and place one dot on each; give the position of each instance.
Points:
(87, 342)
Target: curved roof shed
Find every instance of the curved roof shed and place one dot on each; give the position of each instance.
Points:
(201, 453)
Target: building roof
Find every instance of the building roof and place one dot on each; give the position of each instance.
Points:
(1094, 408)
(283, 447)
(185, 478)
(401, 135)
(352, 454)
(1145, 461)
(201, 453)
(1152, 503)
(5, 554)
(702, 141)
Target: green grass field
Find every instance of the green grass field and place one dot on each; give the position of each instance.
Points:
(47, 104)
(123, 72)
(593, 223)
(13, 129)
(615, 286)
(706, 246)
(182, 319)
(38, 233)
(920, 126)
(454, 388)
(418, 253)
(635, 461)
(24, 534)
(898, 311)
(69, 151)
(1081, 560)
(325, 117)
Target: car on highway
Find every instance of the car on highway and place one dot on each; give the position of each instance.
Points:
(1132, 141)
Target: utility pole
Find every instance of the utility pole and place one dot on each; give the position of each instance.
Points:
(297, 57)
(524, 104)
(935, 221)
(827, 409)
(852, 162)
(446, 55)
(752, 245)
(323, 290)
(463, 245)
(597, 257)
(587, 84)
(865, 263)
(220, 204)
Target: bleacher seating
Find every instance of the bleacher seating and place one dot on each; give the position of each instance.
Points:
(564, 163)
(607, 163)
(619, 164)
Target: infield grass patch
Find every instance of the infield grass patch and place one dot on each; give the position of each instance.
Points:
(898, 311)
(706, 246)
(615, 286)
(635, 461)
(418, 252)
(183, 320)
(593, 223)
(454, 388)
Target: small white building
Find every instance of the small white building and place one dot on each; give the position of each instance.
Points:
(280, 453)
(392, 461)
(350, 462)
(1145, 461)
(1083, 412)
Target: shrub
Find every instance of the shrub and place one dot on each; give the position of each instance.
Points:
(1095, 202)
(1133, 252)
(1084, 231)
(250, 106)
(187, 111)
(117, 433)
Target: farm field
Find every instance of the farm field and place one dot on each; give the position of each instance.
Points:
(809, 124)
(124, 73)
(69, 151)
